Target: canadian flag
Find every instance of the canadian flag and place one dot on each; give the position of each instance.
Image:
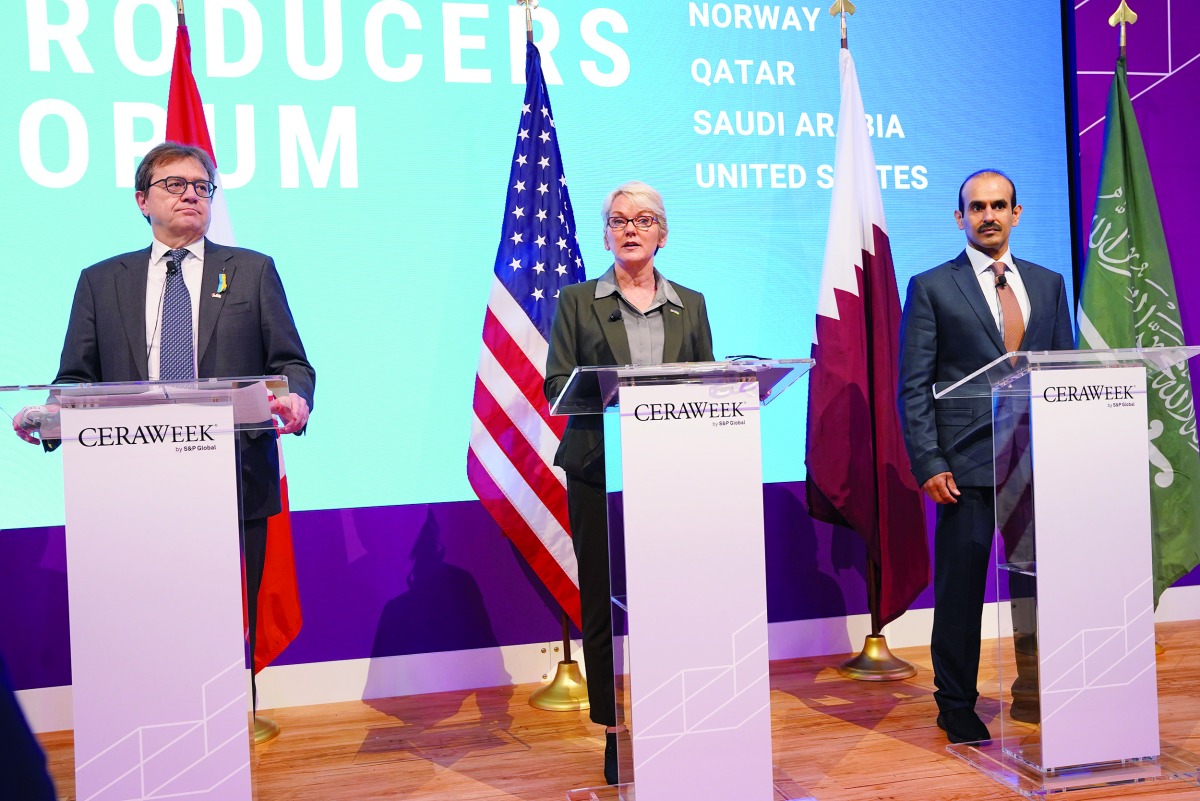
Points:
(279, 615)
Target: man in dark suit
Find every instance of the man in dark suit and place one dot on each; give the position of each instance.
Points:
(630, 315)
(23, 773)
(958, 317)
(131, 320)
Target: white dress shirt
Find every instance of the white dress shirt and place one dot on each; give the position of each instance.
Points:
(982, 264)
(156, 286)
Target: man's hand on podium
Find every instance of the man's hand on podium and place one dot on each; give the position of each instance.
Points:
(28, 422)
(942, 488)
(292, 412)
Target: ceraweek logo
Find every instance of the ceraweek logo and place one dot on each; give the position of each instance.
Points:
(113, 436)
(691, 410)
(1088, 392)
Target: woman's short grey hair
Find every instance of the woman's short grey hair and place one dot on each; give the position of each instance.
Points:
(643, 196)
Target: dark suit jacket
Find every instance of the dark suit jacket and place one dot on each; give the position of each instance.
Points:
(584, 336)
(23, 773)
(948, 332)
(248, 331)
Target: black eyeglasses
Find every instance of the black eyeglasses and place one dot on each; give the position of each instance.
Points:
(177, 186)
(642, 222)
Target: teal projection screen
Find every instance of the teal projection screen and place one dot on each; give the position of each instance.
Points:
(365, 144)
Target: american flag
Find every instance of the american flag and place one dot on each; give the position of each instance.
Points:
(513, 436)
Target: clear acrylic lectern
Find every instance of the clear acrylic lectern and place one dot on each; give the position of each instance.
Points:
(149, 473)
(688, 566)
(1074, 456)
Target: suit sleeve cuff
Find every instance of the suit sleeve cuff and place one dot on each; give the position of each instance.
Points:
(928, 464)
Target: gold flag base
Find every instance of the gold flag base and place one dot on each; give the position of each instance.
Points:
(265, 730)
(566, 693)
(877, 663)
(1158, 648)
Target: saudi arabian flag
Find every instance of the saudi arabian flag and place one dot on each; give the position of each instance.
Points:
(1128, 300)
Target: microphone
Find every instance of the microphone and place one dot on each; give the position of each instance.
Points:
(1001, 281)
(158, 315)
(615, 316)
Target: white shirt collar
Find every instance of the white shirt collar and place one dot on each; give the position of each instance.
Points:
(982, 263)
(607, 285)
(158, 250)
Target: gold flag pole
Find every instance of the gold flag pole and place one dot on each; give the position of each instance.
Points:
(567, 691)
(875, 662)
(842, 7)
(1124, 15)
(265, 729)
(530, 5)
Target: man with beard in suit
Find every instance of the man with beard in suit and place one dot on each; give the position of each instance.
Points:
(958, 317)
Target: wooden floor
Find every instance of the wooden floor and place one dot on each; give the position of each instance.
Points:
(835, 740)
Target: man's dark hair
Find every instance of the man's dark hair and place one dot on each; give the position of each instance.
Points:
(1013, 200)
(168, 152)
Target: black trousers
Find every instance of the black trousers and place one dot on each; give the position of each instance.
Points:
(962, 545)
(587, 509)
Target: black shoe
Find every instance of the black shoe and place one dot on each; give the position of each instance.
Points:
(962, 725)
(1025, 711)
(610, 758)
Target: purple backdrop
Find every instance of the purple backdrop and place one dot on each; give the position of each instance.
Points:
(416, 579)
(423, 578)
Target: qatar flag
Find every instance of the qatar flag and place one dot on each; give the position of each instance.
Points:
(858, 471)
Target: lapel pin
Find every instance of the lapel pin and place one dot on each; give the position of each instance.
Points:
(222, 285)
(674, 311)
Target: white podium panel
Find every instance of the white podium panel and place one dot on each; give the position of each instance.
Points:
(154, 588)
(1095, 600)
(696, 592)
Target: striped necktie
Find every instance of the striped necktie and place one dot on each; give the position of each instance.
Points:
(175, 360)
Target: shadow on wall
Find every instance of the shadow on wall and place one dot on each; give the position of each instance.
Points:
(814, 570)
(440, 610)
(34, 622)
